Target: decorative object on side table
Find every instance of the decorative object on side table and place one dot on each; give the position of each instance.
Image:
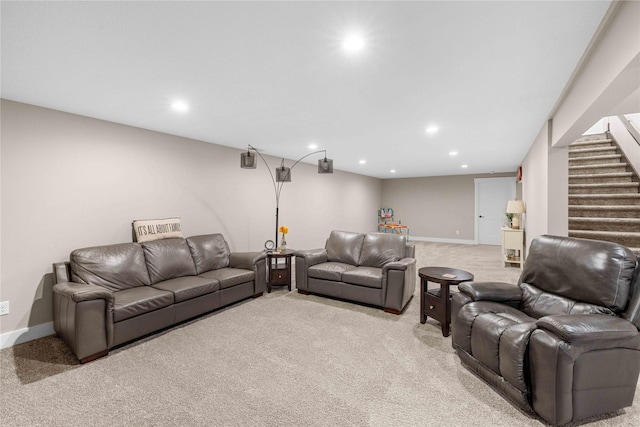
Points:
(249, 160)
(283, 243)
(515, 207)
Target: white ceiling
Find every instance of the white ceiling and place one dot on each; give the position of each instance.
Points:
(274, 74)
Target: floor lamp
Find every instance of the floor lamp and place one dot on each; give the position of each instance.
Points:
(249, 160)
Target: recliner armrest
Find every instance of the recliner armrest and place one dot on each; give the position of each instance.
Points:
(398, 265)
(246, 260)
(79, 292)
(575, 328)
(312, 256)
(505, 293)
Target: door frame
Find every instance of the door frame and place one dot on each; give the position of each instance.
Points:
(476, 183)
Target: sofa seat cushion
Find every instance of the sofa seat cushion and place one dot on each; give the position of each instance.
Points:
(370, 277)
(229, 277)
(187, 287)
(140, 300)
(497, 335)
(329, 270)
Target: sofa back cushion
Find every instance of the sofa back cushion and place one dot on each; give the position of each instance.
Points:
(114, 267)
(581, 270)
(379, 249)
(209, 252)
(168, 259)
(344, 247)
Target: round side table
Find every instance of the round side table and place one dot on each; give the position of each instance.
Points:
(437, 302)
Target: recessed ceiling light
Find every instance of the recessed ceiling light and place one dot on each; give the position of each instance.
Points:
(431, 130)
(362, 162)
(392, 171)
(464, 166)
(453, 153)
(180, 106)
(313, 146)
(353, 43)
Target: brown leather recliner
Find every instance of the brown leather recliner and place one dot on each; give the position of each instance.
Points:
(564, 343)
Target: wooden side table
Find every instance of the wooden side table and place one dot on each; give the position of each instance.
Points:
(437, 302)
(279, 269)
(513, 246)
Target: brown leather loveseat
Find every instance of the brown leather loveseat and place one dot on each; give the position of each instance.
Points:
(564, 343)
(374, 268)
(109, 295)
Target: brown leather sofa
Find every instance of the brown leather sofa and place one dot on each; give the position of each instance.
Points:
(564, 343)
(374, 268)
(109, 295)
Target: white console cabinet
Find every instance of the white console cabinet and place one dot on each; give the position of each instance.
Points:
(513, 247)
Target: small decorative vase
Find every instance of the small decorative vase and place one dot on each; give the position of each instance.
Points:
(283, 244)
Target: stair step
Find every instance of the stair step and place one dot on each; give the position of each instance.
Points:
(610, 211)
(604, 168)
(591, 144)
(600, 177)
(605, 199)
(630, 225)
(606, 188)
(621, 237)
(593, 137)
(596, 160)
(591, 152)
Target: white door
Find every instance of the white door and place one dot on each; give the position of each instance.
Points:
(492, 195)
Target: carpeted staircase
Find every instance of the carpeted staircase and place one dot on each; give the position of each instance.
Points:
(604, 193)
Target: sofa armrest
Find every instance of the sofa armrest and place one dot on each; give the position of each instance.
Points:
(246, 260)
(574, 328)
(83, 318)
(312, 256)
(505, 293)
(399, 284)
(79, 292)
(402, 264)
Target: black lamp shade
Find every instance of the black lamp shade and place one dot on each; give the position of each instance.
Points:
(248, 160)
(283, 174)
(325, 165)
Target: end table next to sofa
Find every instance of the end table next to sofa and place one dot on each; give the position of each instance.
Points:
(437, 302)
(279, 265)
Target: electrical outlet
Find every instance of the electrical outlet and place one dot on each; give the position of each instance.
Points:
(4, 308)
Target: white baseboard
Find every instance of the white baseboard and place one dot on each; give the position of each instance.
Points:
(9, 339)
(439, 240)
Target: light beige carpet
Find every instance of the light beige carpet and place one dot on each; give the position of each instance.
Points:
(284, 359)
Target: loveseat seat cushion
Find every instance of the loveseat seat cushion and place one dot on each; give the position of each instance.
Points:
(379, 249)
(228, 277)
(344, 247)
(370, 277)
(168, 258)
(329, 270)
(140, 300)
(114, 267)
(187, 287)
(209, 251)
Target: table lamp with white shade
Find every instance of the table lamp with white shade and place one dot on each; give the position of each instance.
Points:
(515, 207)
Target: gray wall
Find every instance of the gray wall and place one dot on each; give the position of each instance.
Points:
(436, 208)
(70, 181)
